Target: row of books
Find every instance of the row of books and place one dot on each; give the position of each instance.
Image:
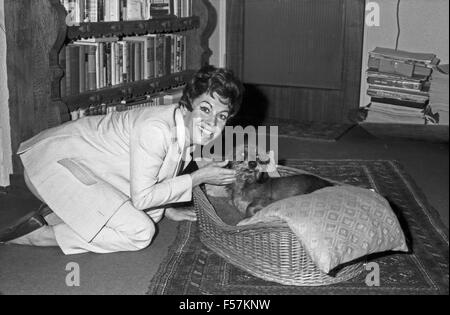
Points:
(399, 85)
(125, 10)
(97, 63)
(164, 98)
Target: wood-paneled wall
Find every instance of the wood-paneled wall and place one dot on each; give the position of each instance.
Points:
(31, 32)
(302, 103)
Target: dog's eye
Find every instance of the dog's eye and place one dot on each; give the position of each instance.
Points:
(263, 162)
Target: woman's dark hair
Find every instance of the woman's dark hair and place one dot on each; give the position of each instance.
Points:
(212, 80)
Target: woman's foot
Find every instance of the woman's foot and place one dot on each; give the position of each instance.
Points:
(181, 214)
(44, 237)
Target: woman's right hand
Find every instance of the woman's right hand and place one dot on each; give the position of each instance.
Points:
(214, 174)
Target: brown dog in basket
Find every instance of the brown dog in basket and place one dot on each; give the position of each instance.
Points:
(254, 189)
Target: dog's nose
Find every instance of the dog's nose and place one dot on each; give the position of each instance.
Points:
(252, 164)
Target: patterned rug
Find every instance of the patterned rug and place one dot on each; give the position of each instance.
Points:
(191, 268)
(288, 128)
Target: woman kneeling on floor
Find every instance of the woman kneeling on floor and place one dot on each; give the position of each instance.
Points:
(109, 179)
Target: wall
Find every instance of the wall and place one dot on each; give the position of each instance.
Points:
(423, 28)
(5, 138)
(218, 38)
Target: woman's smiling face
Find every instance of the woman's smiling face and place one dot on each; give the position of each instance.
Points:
(207, 119)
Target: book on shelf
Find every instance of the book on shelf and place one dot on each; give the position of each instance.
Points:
(426, 59)
(395, 109)
(135, 10)
(158, 99)
(160, 8)
(395, 89)
(104, 62)
(388, 113)
(383, 93)
(409, 70)
(397, 81)
(378, 117)
(125, 10)
(404, 103)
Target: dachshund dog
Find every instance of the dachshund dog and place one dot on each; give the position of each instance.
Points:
(255, 189)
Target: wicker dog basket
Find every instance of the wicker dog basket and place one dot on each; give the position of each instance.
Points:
(268, 251)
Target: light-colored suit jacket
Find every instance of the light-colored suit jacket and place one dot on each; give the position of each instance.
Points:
(86, 169)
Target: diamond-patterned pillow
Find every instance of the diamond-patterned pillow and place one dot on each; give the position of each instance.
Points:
(338, 224)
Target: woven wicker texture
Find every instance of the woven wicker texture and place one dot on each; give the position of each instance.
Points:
(269, 251)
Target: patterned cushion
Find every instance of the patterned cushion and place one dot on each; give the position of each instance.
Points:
(338, 224)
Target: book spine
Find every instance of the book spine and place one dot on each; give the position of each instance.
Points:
(74, 68)
(171, 6)
(93, 10)
(85, 11)
(101, 65)
(168, 54)
(131, 56)
(86, 68)
(392, 101)
(174, 54)
(107, 11)
(114, 10)
(123, 10)
(393, 95)
(134, 10)
(68, 71)
(409, 70)
(151, 57)
(147, 4)
(395, 83)
(82, 59)
(62, 63)
(147, 58)
(159, 68)
(137, 61)
(120, 67)
(143, 61)
(178, 54)
(80, 10)
(184, 53)
(101, 10)
(97, 66)
(92, 68)
(398, 90)
(126, 62)
(175, 8)
(109, 64)
(113, 63)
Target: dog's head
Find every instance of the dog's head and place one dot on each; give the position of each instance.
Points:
(249, 165)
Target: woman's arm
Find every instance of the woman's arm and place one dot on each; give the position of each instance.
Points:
(149, 147)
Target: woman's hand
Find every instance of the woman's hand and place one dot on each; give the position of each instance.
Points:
(214, 174)
(180, 214)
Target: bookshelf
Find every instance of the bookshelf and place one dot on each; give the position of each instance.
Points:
(37, 32)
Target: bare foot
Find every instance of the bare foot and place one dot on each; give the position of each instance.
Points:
(181, 214)
(44, 237)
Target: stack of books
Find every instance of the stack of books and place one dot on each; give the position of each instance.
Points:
(399, 85)
(97, 63)
(163, 98)
(125, 10)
